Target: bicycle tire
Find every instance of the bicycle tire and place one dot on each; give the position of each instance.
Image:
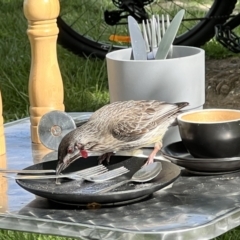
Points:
(196, 36)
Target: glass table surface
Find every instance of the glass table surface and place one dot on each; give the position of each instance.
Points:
(193, 207)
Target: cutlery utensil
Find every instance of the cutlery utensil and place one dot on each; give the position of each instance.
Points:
(171, 47)
(146, 32)
(72, 175)
(153, 35)
(169, 36)
(95, 175)
(144, 174)
(107, 175)
(27, 171)
(137, 41)
(153, 32)
(82, 193)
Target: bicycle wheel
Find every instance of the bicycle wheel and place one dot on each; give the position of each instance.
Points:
(84, 31)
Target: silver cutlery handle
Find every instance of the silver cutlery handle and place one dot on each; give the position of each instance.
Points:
(39, 176)
(107, 189)
(108, 175)
(26, 171)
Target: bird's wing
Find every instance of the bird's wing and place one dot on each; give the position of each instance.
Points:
(140, 118)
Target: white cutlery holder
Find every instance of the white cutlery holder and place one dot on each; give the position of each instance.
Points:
(181, 78)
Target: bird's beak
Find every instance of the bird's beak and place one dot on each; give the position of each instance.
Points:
(66, 161)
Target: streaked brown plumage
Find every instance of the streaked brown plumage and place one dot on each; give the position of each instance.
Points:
(119, 126)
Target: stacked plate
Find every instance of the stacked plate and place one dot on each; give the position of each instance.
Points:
(178, 154)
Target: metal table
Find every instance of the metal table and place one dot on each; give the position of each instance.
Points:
(195, 207)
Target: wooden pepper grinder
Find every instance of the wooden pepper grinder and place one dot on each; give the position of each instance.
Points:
(2, 137)
(45, 81)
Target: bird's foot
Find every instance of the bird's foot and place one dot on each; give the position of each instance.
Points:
(151, 157)
(149, 161)
(105, 156)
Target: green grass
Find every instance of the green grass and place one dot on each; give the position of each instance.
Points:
(15, 235)
(214, 50)
(85, 83)
(85, 80)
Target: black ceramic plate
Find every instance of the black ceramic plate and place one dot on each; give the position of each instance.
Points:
(78, 191)
(178, 154)
(195, 173)
(95, 205)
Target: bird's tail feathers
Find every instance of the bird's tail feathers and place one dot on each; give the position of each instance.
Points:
(182, 104)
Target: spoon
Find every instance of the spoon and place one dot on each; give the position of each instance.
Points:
(145, 174)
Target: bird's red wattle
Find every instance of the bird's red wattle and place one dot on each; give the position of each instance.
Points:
(84, 153)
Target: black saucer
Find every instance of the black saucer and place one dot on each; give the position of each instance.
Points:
(178, 154)
(196, 173)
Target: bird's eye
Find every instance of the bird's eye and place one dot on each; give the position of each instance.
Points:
(70, 150)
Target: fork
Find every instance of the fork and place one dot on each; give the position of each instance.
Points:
(107, 175)
(153, 31)
(94, 174)
(99, 169)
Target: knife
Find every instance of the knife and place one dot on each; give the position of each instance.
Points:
(137, 41)
(27, 171)
(169, 36)
(32, 177)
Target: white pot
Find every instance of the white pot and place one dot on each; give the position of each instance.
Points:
(181, 78)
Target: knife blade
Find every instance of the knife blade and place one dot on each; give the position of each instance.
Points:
(25, 177)
(137, 41)
(169, 36)
(27, 171)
